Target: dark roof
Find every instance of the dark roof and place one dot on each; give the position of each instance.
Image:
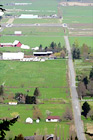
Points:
(53, 117)
(29, 138)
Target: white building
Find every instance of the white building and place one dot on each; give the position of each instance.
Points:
(12, 103)
(29, 120)
(53, 119)
(28, 16)
(25, 46)
(36, 48)
(12, 56)
(17, 32)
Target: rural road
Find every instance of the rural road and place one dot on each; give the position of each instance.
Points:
(34, 25)
(75, 102)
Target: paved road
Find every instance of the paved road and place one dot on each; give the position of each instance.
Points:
(75, 101)
(32, 25)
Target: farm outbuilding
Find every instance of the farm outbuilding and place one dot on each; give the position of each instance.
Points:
(29, 120)
(18, 32)
(6, 44)
(12, 56)
(12, 103)
(25, 46)
(53, 119)
(17, 43)
(42, 53)
(28, 16)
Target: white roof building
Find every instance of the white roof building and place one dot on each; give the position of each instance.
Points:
(12, 56)
(29, 120)
(36, 48)
(18, 32)
(28, 16)
(25, 46)
(15, 42)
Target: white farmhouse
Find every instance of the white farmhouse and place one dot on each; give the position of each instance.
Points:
(12, 56)
(53, 119)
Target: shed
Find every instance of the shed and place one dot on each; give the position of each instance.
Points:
(29, 120)
(18, 32)
(53, 119)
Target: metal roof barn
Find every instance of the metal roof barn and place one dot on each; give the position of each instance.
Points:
(12, 56)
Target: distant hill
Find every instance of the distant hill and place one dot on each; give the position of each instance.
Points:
(83, 1)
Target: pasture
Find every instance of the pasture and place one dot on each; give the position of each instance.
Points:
(25, 111)
(40, 7)
(49, 76)
(31, 41)
(33, 21)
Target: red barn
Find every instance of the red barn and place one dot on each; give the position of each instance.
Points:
(17, 43)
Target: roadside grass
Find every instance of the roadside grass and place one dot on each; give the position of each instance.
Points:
(32, 41)
(82, 67)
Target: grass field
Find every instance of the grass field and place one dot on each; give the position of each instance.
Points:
(77, 14)
(43, 7)
(32, 41)
(29, 129)
(32, 21)
(82, 40)
(50, 77)
(36, 31)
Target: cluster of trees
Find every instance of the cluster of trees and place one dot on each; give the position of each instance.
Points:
(21, 98)
(53, 47)
(85, 85)
(83, 52)
(87, 111)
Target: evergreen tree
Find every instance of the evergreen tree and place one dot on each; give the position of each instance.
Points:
(36, 92)
(1, 90)
(85, 80)
(4, 126)
(85, 108)
(91, 74)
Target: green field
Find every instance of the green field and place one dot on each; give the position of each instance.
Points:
(35, 31)
(33, 21)
(77, 14)
(50, 77)
(82, 40)
(29, 129)
(42, 7)
(32, 41)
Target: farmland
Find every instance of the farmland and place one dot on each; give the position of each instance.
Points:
(53, 87)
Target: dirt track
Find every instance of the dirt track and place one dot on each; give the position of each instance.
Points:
(75, 4)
